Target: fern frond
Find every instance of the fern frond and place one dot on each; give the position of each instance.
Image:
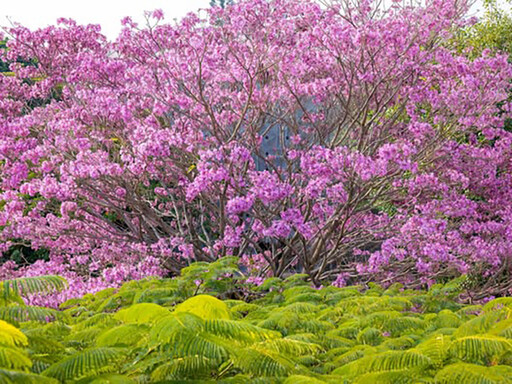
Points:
(405, 376)
(447, 319)
(189, 366)
(40, 344)
(436, 348)
(108, 378)
(379, 318)
(17, 314)
(310, 297)
(386, 361)
(477, 348)
(497, 304)
(158, 295)
(354, 354)
(11, 336)
(470, 374)
(56, 329)
(85, 337)
(481, 324)
(231, 329)
(263, 363)
(113, 302)
(199, 343)
(83, 363)
(404, 323)
(99, 319)
(13, 358)
(28, 285)
(242, 309)
(370, 336)
(299, 379)
(16, 377)
(289, 347)
(123, 335)
(402, 342)
(142, 313)
(204, 306)
(301, 308)
(164, 330)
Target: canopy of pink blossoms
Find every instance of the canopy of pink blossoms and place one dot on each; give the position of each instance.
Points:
(388, 155)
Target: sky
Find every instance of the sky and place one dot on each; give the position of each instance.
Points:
(108, 13)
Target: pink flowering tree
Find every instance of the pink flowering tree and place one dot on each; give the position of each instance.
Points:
(343, 141)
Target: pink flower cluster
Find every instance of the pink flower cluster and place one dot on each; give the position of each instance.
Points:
(298, 137)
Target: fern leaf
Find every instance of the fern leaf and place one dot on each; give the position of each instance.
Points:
(405, 376)
(17, 314)
(299, 379)
(16, 377)
(386, 361)
(107, 379)
(83, 363)
(11, 336)
(497, 304)
(481, 324)
(404, 323)
(480, 347)
(204, 306)
(263, 363)
(164, 330)
(199, 343)
(469, 374)
(13, 358)
(29, 285)
(435, 348)
(354, 354)
(289, 347)
(142, 313)
(238, 330)
(123, 335)
(40, 344)
(189, 366)
(99, 319)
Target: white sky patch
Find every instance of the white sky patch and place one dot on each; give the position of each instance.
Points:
(108, 13)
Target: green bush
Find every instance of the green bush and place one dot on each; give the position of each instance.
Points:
(189, 329)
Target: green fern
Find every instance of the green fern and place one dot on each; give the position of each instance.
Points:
(189, 366)
(29, 285)
(237, 330)
(480, 348)
(405, 376)
(386, 361)
(204, 306)
(16, 377)
(84, 363)
(298, 379)
(16, 314)
(260, 362)
(107, 379)
(14, 358)
(142, 313)
(470, 374)
(11, 336)
(123, 336)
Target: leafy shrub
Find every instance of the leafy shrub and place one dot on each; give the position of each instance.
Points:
(151, 331)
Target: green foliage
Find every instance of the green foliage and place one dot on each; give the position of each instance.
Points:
(12, 289)
(83, 363)
(284, 331)
(206, 307)
(493, 32)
